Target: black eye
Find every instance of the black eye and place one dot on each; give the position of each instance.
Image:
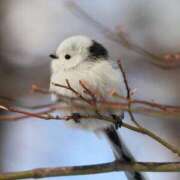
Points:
(67, 56)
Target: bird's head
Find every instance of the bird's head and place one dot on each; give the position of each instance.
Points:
(76, 50)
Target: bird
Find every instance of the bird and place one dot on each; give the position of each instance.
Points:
(81, 58)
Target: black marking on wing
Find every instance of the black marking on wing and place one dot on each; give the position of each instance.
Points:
(97, 50)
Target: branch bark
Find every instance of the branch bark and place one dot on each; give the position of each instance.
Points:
(93, 169)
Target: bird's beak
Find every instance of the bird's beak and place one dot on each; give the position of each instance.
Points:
(53, 56)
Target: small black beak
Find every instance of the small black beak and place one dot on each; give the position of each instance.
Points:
(53, 56)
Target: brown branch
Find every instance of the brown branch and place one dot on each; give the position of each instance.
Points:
(88, 91)
(70, 88)
(26, 113)
(141, 128)
(20, 117)
(164, 109)
(128, 97)
(38, 89)
(93, 102)
(93, 169)
(96, 116)
(128, 90)
(120, 105)
(47, 116)
(153, 136)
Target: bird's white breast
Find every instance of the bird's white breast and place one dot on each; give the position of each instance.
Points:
(101, 77)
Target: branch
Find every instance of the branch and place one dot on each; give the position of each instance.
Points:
(93, 103)
(128, 96)
(157, 138)
(140, 129)
(25, 115)
(128, 90)
(103, 103)
(148, 107)
(93, 169)
(76, 93)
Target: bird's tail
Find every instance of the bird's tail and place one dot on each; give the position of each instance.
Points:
(121, 152)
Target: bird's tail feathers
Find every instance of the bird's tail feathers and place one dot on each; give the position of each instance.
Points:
(121, 152)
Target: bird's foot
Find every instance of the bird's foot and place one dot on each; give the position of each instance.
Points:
(76, 117)
(118, 120)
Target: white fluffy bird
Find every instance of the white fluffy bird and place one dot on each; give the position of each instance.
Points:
(81, 58)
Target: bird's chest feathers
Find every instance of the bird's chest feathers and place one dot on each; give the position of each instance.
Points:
(73, 78)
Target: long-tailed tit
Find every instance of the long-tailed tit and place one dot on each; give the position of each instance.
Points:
(81, 58)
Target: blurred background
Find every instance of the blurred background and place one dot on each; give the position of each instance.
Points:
(31, 30)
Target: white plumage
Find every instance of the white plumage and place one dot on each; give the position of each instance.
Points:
(80, 58)
(97, 72)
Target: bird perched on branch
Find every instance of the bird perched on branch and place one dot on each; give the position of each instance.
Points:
(80, 58)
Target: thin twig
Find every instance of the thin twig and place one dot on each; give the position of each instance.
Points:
(25, 116)
(128, 90)
(141, 128)
(69, 87)
(153, 136)
(128, 96)
(163, 107)
(102, 117)
(88, 91)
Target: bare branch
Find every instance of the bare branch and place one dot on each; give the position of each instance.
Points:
(153, 107)
(92, 169)
(128, 96)
(140, 129)
(128, 90)
(68, 87)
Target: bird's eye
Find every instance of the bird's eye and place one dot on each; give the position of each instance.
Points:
(67, 56)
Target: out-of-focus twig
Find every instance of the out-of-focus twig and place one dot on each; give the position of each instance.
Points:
(121, 38)
(172, 59)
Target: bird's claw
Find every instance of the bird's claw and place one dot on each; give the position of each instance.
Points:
(118, 120)
(76, 117)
